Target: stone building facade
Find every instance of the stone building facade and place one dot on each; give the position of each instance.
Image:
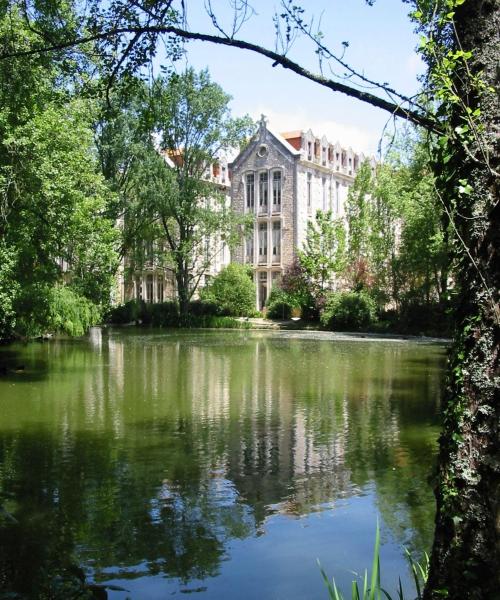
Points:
(283, 180)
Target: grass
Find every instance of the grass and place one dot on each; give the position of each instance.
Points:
(375, 591)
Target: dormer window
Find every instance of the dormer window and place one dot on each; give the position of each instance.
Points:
(323, 156)
(309, 151)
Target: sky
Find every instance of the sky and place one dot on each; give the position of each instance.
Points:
(381, 44)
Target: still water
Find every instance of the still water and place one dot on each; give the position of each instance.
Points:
(223, 464)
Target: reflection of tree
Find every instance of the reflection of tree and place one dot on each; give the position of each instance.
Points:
(150, 453)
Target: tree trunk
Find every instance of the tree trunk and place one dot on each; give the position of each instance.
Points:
(465, 561)
(182, 278)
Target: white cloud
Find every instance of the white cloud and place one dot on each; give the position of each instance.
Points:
(361, 140)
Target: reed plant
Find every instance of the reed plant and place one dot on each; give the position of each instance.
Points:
(374, 591)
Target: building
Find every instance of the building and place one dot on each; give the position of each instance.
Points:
(284, 179)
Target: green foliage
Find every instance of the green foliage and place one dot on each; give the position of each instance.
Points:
(53, 226)
(280, 304)
(202, 308)
(168, 200)
(122, 314)
(296, 286)
(398, 236)
(348, 311)
(42, 308)
(358, 213)
(166, 314)
(233, 290)
(374, 591)
(163, 314)
(323, 255)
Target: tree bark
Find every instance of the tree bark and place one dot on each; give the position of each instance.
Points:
(465, 561)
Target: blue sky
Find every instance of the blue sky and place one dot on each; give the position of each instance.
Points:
(381, 43)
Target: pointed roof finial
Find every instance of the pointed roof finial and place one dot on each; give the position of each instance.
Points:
(262, 127)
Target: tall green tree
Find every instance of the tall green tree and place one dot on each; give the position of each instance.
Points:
(53, 229)
(323, 256)
(189, 116)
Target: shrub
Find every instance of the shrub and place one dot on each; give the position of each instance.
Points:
(421, 318)
(124, 313)
(58, 309)
(233, 291)
(348, 311)
(163, 314)
(201, 308)
(280, 304)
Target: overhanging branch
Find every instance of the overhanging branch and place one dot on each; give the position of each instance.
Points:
(278, 59)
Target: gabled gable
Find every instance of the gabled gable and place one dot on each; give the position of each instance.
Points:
(263, 138)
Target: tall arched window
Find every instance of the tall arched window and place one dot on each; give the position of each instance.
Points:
(277, 191)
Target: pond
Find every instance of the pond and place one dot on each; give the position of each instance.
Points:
(224, 464)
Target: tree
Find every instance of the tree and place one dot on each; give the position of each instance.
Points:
(398, 237)
(53, 229)
(188, 115)
(460, 41)
(323, 255)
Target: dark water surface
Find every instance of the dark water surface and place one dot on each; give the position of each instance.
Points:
(222, 464)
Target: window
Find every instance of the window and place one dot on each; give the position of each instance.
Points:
(249, 248)
(344, 159)
(316, 149)
(323, 187)
(250, 190)
(337, 200)
(276, 241)
(330, 154)
(309, 191)
(138, 288)
(149, 289)
(159, 288)
(263, 242)
(263, 191)
(323, 156)
(309, 151)
(276, 191)
(275, 278)
(263, 276)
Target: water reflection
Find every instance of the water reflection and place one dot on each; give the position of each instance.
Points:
(148, 456)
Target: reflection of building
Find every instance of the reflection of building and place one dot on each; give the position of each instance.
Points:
(151, 279)
(284, 179)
